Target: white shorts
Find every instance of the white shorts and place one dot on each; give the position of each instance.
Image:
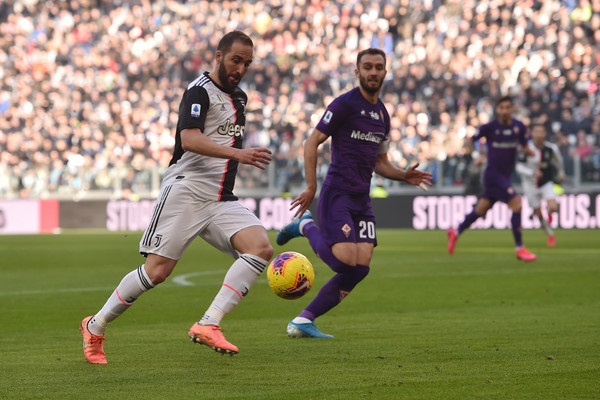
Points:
(179, 217)
(535, 195)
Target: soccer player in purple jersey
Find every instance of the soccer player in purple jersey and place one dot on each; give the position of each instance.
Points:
(503, 137)
(358, 124)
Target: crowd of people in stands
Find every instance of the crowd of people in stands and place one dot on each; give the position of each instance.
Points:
(89, 89)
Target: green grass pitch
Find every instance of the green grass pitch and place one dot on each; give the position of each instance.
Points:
(423, 325)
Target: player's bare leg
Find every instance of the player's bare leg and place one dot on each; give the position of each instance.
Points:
(545, 224)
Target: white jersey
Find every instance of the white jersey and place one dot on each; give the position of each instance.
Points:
(221, 117)
(547, 160)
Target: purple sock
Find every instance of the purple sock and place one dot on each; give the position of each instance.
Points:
(515, 222)
(468, 221)
(322, 249)
(334, 291)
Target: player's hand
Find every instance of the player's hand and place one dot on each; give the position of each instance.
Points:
(258, 157)
(418, 178)
(529, 151)
(302, 202)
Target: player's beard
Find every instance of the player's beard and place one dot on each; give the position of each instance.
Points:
(365, 84)
(505, 119)
(224, 78)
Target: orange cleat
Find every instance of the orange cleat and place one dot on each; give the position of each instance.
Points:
(93, 345)
(525, 255)
(211, 336)
(452, 238)
(551, 241)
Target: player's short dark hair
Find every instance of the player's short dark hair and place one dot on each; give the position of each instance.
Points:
(234, 36)
(504, 99)
(537, 125)
(371, 51)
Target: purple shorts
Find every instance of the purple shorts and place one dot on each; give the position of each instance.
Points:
(345, 216)
(498, 191)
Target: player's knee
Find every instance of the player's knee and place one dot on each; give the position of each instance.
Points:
(481, 210)
(158, 269)
(360, 272)
(353, 276)
(346, 255)
(264, 251)
(158, 275)
(515, 204)
(339, 266)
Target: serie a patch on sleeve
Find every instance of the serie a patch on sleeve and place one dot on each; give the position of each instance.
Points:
(195, 112)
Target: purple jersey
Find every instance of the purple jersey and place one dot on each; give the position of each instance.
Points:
(502, 144)
(357, 128)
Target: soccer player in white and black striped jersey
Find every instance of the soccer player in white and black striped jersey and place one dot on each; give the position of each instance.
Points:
(196, 199)
(538, 174)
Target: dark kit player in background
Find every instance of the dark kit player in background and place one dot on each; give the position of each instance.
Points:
(503, 135)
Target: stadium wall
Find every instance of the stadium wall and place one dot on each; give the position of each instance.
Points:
(577, 211)
(29, 216)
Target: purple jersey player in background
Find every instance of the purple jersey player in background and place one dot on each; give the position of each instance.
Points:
(503, 137)
(359, 126)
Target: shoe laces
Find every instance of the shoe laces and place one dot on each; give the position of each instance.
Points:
(217, 329)
(96, 339)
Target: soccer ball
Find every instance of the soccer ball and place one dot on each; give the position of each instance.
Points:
(290, 275)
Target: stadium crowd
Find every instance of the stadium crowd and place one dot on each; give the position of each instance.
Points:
(89, 89)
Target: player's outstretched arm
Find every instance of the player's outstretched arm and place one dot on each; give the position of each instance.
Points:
(410, 175)
(311, 146)
(558, 163)
(528, 150)
(195, 141)
(258, 157)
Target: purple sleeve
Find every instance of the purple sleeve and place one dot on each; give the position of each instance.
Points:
(523, 135)
(482, 131)
(333, 118)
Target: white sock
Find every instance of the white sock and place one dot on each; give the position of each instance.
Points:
(301, 320)
(131, 287)
(546, 227)
(239, 279)
(303, 224)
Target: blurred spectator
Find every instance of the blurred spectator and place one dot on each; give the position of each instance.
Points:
(89, 90)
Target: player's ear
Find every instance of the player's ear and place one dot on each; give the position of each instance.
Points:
(219, 56)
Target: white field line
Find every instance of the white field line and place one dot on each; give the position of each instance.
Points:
(185, 279)
(179, 280)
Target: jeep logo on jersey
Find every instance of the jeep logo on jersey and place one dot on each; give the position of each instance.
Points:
(231, 129)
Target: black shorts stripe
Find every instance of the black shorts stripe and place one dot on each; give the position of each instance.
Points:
(154, 221)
